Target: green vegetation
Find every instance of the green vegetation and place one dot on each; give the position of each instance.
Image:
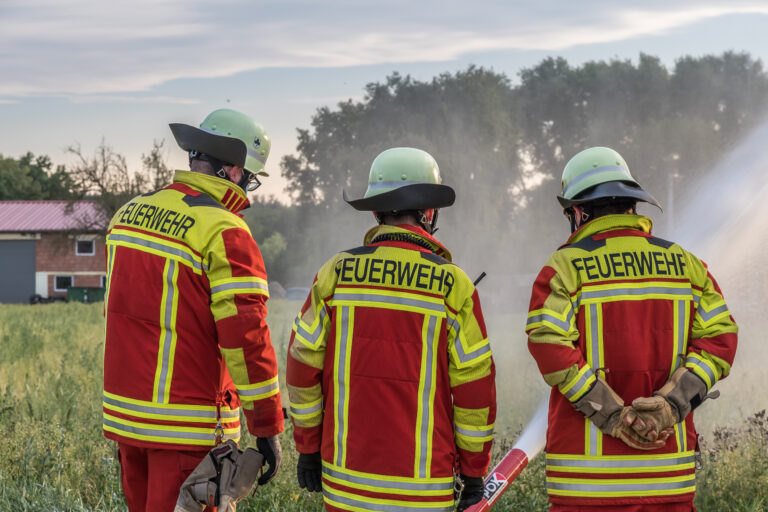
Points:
(53, 456)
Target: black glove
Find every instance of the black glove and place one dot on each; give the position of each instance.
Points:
(270, 448)
(472, 493)
(309, 470)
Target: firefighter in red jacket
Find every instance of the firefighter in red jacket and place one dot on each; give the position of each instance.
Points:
(619, 317)
(187, 344)
(390, 374)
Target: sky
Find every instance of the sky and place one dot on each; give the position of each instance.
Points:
(77, 72)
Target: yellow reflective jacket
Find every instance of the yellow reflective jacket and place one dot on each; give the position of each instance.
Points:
(390, 374)
(616, 298)
(186, 337)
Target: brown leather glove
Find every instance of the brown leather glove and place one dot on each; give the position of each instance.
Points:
(603, 407)
(670, 405)
(223, 477)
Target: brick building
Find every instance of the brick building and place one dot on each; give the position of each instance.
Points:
(49, 246)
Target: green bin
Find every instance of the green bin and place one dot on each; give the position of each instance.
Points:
(85, 294)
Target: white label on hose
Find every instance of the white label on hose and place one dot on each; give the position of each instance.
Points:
(494, 487)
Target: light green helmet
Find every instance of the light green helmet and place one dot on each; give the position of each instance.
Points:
(229, 136)
(404, 179)
(599, 173)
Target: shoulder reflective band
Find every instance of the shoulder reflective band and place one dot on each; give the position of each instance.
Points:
(708, 316)
(310, 334)
(467, 356)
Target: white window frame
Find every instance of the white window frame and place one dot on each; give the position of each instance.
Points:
(93, 247)
(71, 278)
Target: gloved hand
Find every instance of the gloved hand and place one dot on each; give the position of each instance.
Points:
(670, 405)
(472, 492)
(273, 454)
(309, 471)
(603, 407)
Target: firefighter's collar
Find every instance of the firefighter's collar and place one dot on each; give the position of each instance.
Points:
(414, 231)
(230, 196)
(610, 223)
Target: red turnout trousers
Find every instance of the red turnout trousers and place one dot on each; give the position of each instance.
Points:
(152, 477)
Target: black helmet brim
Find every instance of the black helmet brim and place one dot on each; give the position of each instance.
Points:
(608, 190)
(226, 149)
(419, 196)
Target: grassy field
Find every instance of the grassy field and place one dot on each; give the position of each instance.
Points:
(53, 456)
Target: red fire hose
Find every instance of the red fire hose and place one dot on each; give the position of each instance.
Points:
(530, 443)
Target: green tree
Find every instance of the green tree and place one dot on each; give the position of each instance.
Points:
(466, 120)
(30, 177)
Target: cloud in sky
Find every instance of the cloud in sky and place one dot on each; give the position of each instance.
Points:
(89, 47)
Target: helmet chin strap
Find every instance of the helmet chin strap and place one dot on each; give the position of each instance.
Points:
(577, 219)
(422, 219)
(430, 226)
(218, 167)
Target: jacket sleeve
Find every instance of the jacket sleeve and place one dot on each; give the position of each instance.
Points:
(714, 334)
(306, 358)
(472, 376)
(552, 331)
(239, 295)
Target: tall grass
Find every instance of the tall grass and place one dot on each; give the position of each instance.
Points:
(53, 456)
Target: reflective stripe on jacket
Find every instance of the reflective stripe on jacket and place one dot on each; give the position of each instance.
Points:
(616, 298)
(390, 375)
(186, 337)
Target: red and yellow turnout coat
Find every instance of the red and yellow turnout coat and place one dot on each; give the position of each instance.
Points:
(617, 300)
(390, 375)
(186, 337)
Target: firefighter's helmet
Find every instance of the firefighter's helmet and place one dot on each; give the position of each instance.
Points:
(599, 173)
(404, 179)
(229, 136)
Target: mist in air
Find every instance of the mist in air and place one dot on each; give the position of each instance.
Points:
(692, 135)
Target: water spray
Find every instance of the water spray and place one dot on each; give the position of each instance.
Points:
(528, 445)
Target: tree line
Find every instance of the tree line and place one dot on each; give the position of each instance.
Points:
(501, 143)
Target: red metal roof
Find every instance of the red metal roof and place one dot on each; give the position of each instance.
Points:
(25, 216)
